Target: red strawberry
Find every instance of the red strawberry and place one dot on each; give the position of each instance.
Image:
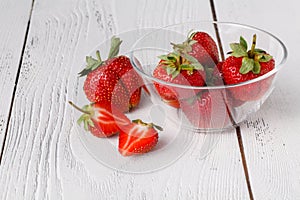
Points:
(245, 65)
(102, 120)
(112, 81)
(138, 138)
(175, 69)
(206, 110)
(201, 46)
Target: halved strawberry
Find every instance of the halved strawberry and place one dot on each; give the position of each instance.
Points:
(138, 137)
(101, 119)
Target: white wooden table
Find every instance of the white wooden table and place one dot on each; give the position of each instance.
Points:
(41, 157)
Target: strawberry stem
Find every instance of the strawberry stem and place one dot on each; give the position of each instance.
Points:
(79, 109)
(251, 53)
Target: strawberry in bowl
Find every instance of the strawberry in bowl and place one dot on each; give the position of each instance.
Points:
(243, 66)
(201, 46)
(176, 69)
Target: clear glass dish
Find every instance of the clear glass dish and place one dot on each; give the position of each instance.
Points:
(225, 111)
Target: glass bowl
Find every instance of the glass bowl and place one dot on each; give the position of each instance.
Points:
(207, 108)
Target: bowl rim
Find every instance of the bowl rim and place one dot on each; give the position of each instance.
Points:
(278, 66)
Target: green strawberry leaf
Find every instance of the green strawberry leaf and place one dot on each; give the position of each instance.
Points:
(194, 62)
(114, 47)
(243, 43)
(238, 50)
(80, 120)
(90, 123)
(171, 58)
(191, 42)
(86, 126)
(265, 58)
(91, 64)
(157, 127)
(163, 57)
(257, 50)
(175, 74)
(170, 70)
(256, 68)
(247, 65)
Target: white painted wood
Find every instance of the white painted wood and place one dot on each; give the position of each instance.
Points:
(44, 158)
(271, 136)
(14, 16)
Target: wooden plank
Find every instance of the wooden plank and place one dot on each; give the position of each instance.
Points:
(14, 17)
(44, 158)
(271, 136)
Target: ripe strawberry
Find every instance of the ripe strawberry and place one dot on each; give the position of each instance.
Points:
(201, 46)
(245, 65)
(175, 69)
(138, 138)
(206, 110)
(102, 120)
(112, 81)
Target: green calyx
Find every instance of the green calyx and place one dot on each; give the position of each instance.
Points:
(175, 62)
(149, 125)
(86, 117)
(92, 63)
(251, 58)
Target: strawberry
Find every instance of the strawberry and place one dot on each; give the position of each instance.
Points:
(206, 110)
(174, 68)
(113, 80)
(102, 120)
(138, 137)
(201, 46)
(244, 66)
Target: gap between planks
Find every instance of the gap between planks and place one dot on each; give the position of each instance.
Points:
(237, 128)
(16, 83)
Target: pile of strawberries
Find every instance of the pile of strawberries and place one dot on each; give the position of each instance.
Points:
(113, 87)
(195, 63)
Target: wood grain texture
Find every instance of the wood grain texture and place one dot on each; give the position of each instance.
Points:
(44, 158)
(14, 17)
(271, 136)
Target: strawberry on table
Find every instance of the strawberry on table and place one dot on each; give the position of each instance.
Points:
(113, 81)
(244, 66)
(138, 137)
(176, 69)
(201, 46)
(101, 119)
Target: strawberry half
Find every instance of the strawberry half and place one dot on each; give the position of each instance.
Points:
(245, 65)
(202, 47)
(101, 119)
(113, 81)
(138, 137)
(178, 69)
